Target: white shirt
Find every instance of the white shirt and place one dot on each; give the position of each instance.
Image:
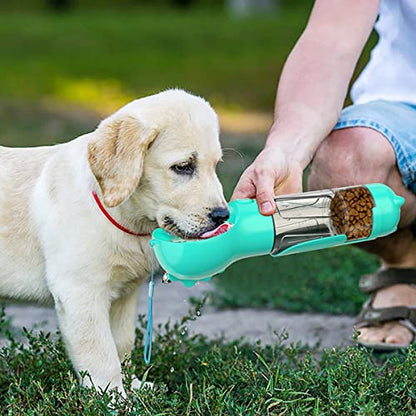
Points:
(391, 72)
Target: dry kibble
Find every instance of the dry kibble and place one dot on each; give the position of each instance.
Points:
(352, 212)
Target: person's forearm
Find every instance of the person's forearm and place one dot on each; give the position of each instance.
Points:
(315, 78)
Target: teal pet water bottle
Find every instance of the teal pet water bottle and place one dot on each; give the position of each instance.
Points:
(302, 222)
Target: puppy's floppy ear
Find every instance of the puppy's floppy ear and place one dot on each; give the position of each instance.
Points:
(116, 156)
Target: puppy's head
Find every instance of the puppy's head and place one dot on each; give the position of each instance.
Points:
(160, 153)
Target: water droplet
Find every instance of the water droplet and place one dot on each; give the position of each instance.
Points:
(174, 353)
(198, 313)
(172, 370)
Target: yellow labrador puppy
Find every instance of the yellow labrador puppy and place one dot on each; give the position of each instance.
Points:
(76, 218)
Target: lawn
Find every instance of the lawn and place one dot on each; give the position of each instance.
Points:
(194, 376)
(85, 57)
(101, 59)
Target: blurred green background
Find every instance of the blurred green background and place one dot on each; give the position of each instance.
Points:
(100, 57)
(64, 65)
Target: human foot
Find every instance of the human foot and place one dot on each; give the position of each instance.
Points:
(387, 319)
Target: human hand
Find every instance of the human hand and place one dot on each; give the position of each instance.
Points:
(270, 174)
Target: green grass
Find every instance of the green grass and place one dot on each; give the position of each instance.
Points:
(324, 281)
(101, 59)
(195, 376)
(142, 51)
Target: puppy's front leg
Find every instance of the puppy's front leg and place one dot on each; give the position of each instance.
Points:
(123, 317)
(83, 313)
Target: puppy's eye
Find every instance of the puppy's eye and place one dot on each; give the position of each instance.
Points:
(183, 168)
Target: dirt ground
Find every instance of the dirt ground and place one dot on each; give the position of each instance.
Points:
(171, 301)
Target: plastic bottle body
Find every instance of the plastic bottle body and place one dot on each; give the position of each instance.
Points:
(302, 222)
(323, 219)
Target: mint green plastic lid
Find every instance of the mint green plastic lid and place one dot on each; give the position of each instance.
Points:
(386, 213)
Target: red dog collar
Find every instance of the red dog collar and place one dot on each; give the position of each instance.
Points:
(113, 221)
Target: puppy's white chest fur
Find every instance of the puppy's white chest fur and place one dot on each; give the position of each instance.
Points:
(129, 267)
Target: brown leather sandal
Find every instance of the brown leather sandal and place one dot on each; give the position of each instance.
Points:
(370, 316)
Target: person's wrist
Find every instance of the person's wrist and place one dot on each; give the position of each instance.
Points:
(297, 131)
(297, 154)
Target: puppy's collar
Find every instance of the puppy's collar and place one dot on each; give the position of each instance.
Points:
(113, 221)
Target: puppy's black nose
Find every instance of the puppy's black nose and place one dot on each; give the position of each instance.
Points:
(219, 215)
